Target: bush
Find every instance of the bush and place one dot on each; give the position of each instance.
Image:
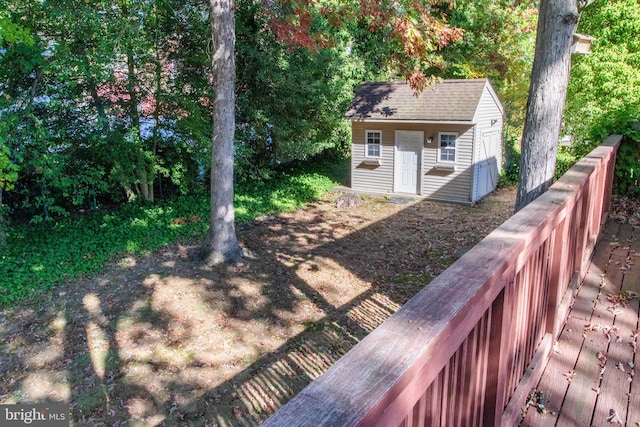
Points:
(564, 161)
(627, 172)
(511, 171)
(511, 168)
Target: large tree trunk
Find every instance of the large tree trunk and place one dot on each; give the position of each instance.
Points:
(221, 244)
(557, 22)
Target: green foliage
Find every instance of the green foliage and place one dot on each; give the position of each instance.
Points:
(627, 173)
(68, 101)
(511, 156)
(564, 161)
(498, 43)
(602, 95)
(93, 108)
(39, 256)
(291, 100)
(511, 171)
(8, 169)
(10, 32)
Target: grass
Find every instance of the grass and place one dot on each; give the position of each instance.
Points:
(40, 256)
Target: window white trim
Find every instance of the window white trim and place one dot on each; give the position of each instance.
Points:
(373, 135)
(447, 151)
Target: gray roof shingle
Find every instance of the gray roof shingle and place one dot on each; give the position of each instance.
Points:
(450, 100)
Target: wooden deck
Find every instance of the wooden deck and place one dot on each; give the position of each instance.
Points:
(468, 348)
(589, 379)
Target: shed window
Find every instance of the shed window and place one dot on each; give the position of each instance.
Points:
(447, 147)
(374, 142)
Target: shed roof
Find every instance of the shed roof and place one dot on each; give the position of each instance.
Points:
(450, 100)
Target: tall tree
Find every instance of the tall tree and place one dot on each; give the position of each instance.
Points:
(557, 22)
(221, 244)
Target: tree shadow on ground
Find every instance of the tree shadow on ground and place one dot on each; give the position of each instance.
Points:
(161, 340)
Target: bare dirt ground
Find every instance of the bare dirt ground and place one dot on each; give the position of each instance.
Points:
(161, 340)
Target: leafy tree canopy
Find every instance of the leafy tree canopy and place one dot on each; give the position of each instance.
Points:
(412, 33)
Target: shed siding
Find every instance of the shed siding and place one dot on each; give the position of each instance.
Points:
(437, 184)
(488, 110)
(448, 185)
(372, 178)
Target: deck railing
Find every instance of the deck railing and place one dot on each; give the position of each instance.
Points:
(466, 350)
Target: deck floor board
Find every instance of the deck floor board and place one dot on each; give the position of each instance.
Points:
(574, 389)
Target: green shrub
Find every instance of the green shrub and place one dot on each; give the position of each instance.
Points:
(627, 172)
(564, 161)
(511, 170)
(511, 167)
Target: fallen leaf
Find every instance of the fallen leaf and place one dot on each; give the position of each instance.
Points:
(615, 310)
(570, 375)
(620, 366)
(620, 298)
(613, 417)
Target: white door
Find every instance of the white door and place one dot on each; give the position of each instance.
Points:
(407, 164)
(488, 173)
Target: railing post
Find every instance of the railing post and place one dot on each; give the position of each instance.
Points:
(582, 209)
(610, 172)
(498, 365)
(560, 292)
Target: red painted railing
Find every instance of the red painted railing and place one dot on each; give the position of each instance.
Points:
(466, 350)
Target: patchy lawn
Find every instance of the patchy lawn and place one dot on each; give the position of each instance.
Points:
(161, 340)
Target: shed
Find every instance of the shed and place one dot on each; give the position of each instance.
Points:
(444, 143)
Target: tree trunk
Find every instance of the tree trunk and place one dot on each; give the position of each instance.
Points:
(145, 173)
(557, 22)
(145, 188)
(97, 102)
(221, 244)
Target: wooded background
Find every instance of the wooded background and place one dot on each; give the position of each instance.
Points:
(105, 101)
